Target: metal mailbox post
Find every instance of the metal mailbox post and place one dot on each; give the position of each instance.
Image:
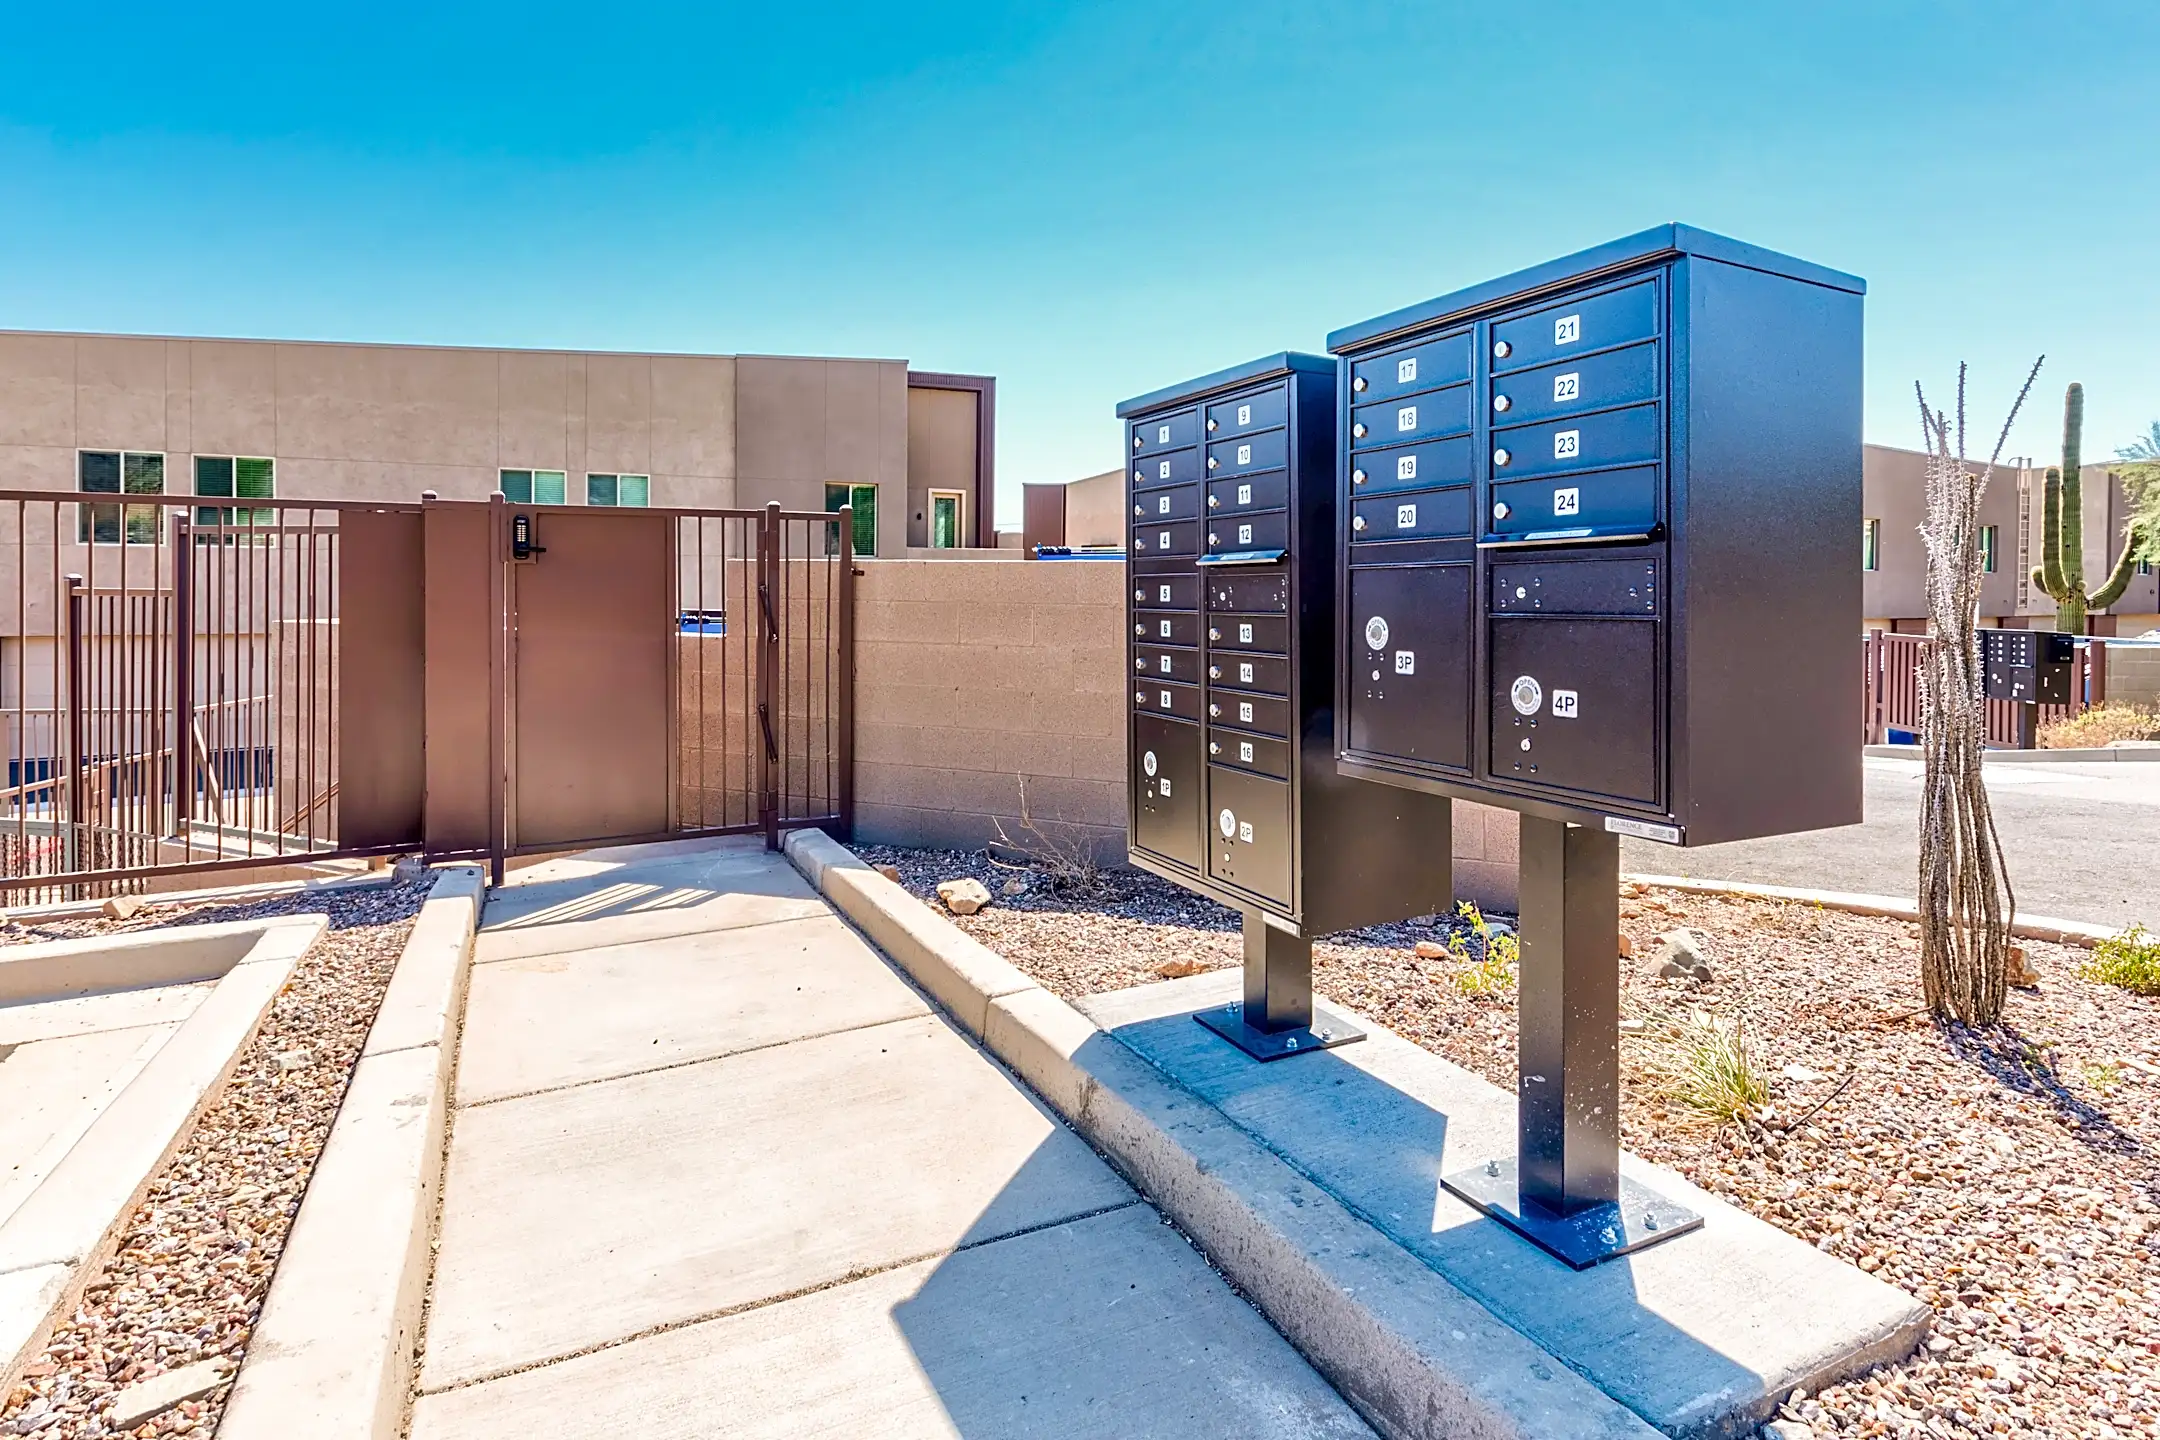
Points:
(1233, 788)
(1599, 569)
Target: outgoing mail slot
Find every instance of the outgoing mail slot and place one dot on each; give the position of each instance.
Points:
(1407, 372)
(1270, 633)
(1595, 382)
(1247, 413)
(1180, 538)
(1165, 432)
(1566, 507)
(1178, 467)
(1269, 673)
(1166, 787)
(1411, 417)
(1158, 697)
(1410, 641)
(1267, 591)
(1249, 752)
(1254, 492)
(1576, 327)
(1585, 442)
(1574, 705)
(1227, 534)
(1248, 819)
(1152, 662)
(1414, 467)
(1262, 713)
(1175, 502)
(1167, 628)
(1575, 587)
(1268, 450)
(1179, 591)
(1416, 515)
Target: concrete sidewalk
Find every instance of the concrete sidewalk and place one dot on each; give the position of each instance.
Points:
(716, 1169)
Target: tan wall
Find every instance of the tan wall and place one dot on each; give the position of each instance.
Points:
(1095, 510)
(803, 423)
(943, 427)
(970, 675)
(1894, 490)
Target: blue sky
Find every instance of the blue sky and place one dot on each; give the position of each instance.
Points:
(1086, 201)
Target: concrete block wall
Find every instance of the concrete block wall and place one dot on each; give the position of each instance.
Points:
(974, 676)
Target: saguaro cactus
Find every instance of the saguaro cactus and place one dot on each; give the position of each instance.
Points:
(2060, 575)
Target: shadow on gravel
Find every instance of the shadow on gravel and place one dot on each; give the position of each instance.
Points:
(2018, 1063)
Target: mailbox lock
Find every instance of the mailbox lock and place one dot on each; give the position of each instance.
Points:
(1139, 595)
(1211, 538)
(1358, 430)
(1500, 403)
(1499, 510)
(1213, 633)
(1213, 748)
(1211, 427)
(1358, 384)
(1211, 462)
(1139, 629)
(1213, 501)
(1500, 457)
(1138, 511)
(1357, 477)
(1214, 672)
(1137, 442)
(1213, 711)
(1358, 523)
(1501, 349)
(1139, 662)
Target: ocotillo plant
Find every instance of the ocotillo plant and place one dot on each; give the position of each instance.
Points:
(2060, 575)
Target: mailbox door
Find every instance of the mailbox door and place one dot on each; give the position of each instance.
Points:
(1249, 833)
(1166, 784)
(1574, 705)
(1410, 640)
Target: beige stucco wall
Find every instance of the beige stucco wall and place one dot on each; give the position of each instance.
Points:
(802, 422)
(1095, 510)
(972, 675)
(943, 428)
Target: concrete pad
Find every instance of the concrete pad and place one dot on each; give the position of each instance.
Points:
(543, 1021)
(33, 1020)
(579, 1216)
(564, 906)
(1107, 1327)
(52, 1092)
(1698, 1336)
(428, 986)
(28, 1299)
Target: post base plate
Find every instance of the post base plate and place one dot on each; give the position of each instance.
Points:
(1640, 1218)
(1327, 1030)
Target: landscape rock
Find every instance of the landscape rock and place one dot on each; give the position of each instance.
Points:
(1787, 1430)
(1429, 950)
(890, 872)
(148, 1398)
(1014, 886)
(2022, 973)
(964, 896)
(1627, 947)
(1685, 953)
(121, 907)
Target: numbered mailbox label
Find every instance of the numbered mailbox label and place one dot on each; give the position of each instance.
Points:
(1244, 494)
(1405, 517)
(1148, 762)
(1244, 751)
(1244, 635)
(1244, 712)
(1406, 662)
(1566, 444)
(1162, 437)
(1244, 534)
(1166, 699)
(1165, 594)
(1567, 387)
(1406, 418)
(1244, 414)
(1162, 471)
(1166, 630)
(1406, 370)
(1244, 832)
(1244, 454)
(1244, 672)
(1162, 506)
(1567, 330)
(1567, 501)
(1164, 666)
(1563, 704)
(1406, 467)
(1165, 783)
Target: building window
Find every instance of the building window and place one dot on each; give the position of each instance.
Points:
(948, 510)
(1987, 548)
(1871, 546)
(618, 490)
(118, 472)
(864, 499)
(534, 487)
(235, 477)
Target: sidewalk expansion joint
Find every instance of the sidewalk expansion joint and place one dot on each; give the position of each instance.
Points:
(688, 1061)
(862, 1272)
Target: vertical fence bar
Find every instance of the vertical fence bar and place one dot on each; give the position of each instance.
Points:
(843, 744)
(72, 849)
(500, 623)
(768, 661)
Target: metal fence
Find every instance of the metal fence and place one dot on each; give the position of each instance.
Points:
(1890, 690)
(171, 696)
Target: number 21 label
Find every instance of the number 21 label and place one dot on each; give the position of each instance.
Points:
(1567, 330)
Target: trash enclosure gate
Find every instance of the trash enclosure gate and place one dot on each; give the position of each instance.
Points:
(193, 688)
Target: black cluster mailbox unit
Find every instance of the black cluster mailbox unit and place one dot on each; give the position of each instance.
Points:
(1599, 569)
(2033, 667)
(1234, 791)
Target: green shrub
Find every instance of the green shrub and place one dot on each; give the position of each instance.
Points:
(1491, 972)
(2130, 961)
(1716, 1072)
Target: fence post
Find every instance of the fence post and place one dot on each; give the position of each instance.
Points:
(768, 671)
(183, 716)
(2096, 666)
(845, 747)
(498, 685)
(1875, 732)
(78, 774)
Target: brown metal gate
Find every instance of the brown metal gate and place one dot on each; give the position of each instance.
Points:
(192, 688)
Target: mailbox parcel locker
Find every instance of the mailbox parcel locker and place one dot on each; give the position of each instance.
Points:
(1234, 790)
(1600, 571)
(1599, 565)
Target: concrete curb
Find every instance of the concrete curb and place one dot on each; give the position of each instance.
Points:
(2028, 927)
(2092, 755)
(332, 1355)
(71, 1222)
(1414, 1354)
(260, 890)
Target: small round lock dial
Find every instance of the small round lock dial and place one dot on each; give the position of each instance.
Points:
(1502, 404)
(1501, 349)
(1357, 477)
(1358, 430)
(1500, 457)
(1358, 384)
(1500, 510)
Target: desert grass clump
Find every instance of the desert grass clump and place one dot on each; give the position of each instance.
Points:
(1715, 1070)
(2129, 961)
(2102, 725)
(1491, 953)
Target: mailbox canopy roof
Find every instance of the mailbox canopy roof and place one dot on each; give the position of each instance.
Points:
(1661, 243)
(1264, 368)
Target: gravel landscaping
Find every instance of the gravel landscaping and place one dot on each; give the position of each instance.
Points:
(191, 1271)
(2004, 1176)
